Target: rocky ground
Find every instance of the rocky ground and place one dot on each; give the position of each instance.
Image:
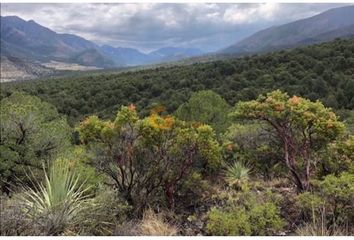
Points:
(16, 69)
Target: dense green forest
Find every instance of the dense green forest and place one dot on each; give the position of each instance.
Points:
(259, 145)
(324, 72)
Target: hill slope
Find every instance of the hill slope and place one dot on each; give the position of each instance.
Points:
(324, 72)
(28, 39)
(331, 24)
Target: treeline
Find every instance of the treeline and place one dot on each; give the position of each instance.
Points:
(324, 72)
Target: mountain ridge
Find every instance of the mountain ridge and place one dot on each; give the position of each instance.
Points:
(293, 33)
(30, 40)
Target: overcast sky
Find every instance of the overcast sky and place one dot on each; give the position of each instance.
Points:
(147, 27)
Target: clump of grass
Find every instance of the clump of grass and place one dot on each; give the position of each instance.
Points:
(320, 227)
(54, 204)
(154, 224)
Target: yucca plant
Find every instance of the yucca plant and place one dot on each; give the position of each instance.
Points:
(236, 174)
(54, 204)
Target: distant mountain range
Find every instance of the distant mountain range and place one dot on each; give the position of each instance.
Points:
(31, 41)
(131, 56)
(29, 49)
(331, 24)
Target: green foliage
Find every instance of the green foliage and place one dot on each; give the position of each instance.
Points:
(79, 161)
(149, 157)
(332, 198)
(250, 143)
(235, 223)
(193, 191)
(265, 219)
(337, 157)
(299, 112)
(258, 219)
(55, 204)
(205, 107)
(92, 130)
(32, 132)
(300, 126)
(294, 71)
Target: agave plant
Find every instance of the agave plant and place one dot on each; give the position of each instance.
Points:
(55, 203)
(237, 173)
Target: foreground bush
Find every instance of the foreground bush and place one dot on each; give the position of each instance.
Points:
(299, 125)
(331, 200)
(250, 143)
(248, 214)
(32, 132)
(234, 223)
(337, 157)
(148, 159)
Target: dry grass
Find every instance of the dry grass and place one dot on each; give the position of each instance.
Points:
(321, 230)
(154, 224)
(320, 227)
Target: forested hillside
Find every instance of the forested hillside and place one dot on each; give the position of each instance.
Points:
(324, 72)
(234, 147)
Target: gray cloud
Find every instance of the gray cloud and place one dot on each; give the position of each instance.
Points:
(149, 26)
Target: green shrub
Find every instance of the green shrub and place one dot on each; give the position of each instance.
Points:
(248, 143)
(192, 191)
(78, 160)
(265, 219)
(252, 219)
(32, 132)
(332, 197)
(234, 223)
(337, 157)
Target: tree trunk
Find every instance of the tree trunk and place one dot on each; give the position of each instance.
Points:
(290, 163)
(169, 192)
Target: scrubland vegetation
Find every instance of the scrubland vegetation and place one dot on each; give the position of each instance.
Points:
(259, 145)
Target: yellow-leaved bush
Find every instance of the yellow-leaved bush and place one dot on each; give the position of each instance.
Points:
(149, 157)
(299, 125)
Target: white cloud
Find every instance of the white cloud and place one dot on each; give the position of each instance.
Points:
(154, 25)
(261, 12)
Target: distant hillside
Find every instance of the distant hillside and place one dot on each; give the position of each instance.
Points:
(334, 23)
(133, 57)
(28, 39)
(92, 57)
(125, 56)
(173, 54)
(324, 72)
